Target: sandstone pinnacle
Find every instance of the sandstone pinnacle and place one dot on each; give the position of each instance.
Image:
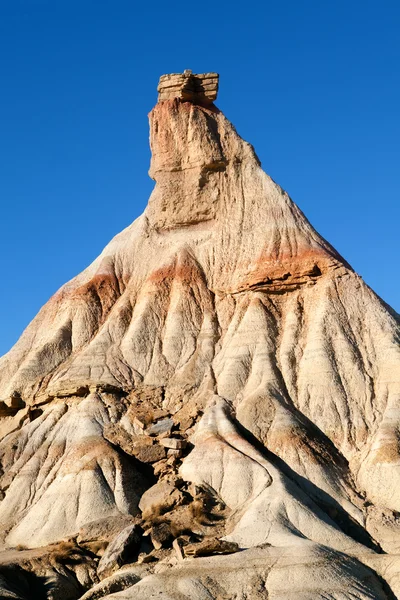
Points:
(218, 381)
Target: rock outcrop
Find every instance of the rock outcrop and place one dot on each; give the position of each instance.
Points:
(218, 381)
(199, 89)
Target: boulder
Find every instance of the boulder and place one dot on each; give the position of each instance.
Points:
(173, 443)
(120, 550)
(104, 529)
(149, 454)
(161, 427)
(160, 498)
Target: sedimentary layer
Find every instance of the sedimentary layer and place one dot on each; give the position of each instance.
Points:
(218, 381)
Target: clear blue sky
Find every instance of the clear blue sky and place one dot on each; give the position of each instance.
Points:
(313, 85)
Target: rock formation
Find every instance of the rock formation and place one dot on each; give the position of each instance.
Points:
(198, 89)
(211, 410)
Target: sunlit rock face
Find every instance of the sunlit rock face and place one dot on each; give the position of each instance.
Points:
(222, 350)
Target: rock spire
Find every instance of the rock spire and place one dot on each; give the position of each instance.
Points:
(218, 381)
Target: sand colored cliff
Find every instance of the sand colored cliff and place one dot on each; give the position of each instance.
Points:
(219, 388)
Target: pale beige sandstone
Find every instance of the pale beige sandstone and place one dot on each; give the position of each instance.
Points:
(259, 573)
(221, 298)
(61, 474)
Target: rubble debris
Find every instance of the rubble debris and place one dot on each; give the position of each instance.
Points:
(173, 443)
(160, 427)
(174, 453)
(149, 454)
(140, 423)
(139, 446)
(160, 413)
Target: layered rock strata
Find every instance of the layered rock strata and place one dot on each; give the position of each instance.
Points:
(199, 89)
(218, 381)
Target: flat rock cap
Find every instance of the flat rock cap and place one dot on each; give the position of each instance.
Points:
(189, 87)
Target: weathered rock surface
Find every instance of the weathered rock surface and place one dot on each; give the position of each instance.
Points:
(221, 374)
(60, 473)
(199, 89)
(160, 498)
(103, 530)
(120, 549)
(59, 571)
(210, 546)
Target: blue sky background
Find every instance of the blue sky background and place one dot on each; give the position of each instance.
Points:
(313, 85)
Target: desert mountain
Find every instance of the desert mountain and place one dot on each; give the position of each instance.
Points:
(211, 410)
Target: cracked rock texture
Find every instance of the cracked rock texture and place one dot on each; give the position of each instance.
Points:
(222, 321)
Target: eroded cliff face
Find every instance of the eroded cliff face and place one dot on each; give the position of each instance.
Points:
(224, 357)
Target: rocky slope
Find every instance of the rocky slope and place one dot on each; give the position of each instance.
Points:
(218, 381)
